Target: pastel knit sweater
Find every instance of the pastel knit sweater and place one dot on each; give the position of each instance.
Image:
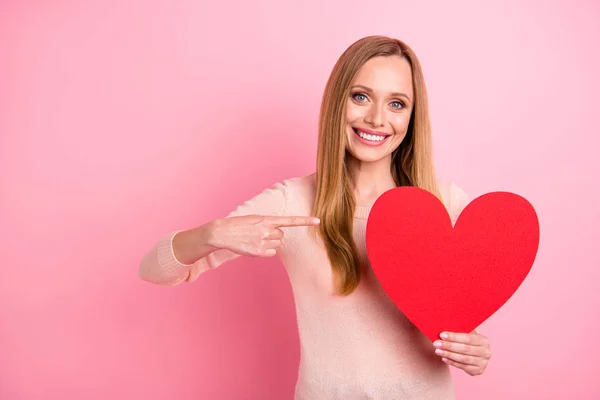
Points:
(352, 347)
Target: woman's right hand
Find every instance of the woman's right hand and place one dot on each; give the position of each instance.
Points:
(253, 235)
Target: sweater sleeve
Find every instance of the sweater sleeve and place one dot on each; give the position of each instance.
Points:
(160, 266)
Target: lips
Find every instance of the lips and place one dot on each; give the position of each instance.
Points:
(370, 132)
(371, 138)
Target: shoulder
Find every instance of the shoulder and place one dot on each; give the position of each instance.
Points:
(280, 198)
(304, 186)
(299, 193)
(290, 187)
(454, 198)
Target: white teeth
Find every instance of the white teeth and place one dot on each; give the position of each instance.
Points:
(373, 138)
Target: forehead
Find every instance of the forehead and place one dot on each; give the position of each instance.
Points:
(385, 75)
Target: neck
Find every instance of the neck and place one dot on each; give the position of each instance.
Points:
(370, 179)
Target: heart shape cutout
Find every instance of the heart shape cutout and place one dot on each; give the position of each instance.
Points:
(446, 278)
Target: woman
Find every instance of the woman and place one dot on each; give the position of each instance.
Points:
(374, 135)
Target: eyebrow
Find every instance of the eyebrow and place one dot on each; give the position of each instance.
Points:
(395, 94)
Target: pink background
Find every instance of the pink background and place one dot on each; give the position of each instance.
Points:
(122, 122)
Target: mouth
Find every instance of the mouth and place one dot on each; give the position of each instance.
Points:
(372, 138)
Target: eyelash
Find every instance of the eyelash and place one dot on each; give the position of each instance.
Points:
(396, 101)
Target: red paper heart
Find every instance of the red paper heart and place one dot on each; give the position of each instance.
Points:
(444, 278)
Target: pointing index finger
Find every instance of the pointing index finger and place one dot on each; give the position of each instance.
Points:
(294, 221)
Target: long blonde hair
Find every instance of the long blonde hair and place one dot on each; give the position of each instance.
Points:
(412, 161)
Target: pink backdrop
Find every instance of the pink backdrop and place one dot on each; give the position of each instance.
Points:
(122, 122)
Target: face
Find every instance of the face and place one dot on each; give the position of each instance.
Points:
(379, 108)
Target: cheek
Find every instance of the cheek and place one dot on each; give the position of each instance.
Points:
(400, 123)
(353, 112)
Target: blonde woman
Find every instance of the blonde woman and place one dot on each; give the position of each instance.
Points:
(374, 135)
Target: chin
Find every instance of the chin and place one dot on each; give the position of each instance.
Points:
(369, 156)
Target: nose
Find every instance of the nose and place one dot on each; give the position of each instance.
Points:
(375, 116)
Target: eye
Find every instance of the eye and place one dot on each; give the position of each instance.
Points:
(360, 97)
(397, 105)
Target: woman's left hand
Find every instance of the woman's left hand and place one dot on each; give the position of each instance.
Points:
(467, 351)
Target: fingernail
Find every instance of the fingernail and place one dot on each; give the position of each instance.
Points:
(444, 335)
(316, 220)
(439, 352)
(437, 343)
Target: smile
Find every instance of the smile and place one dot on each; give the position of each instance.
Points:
(371, 138)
